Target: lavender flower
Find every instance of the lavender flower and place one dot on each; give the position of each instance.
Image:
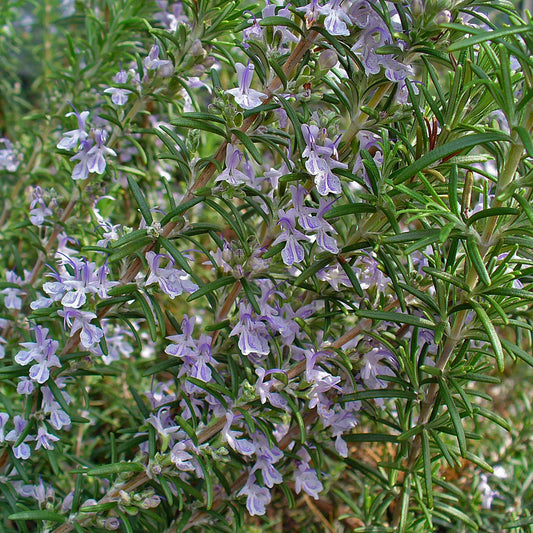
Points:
(320, 162)
(22, 451)
(231, 174)
(81, 320)
(372, 367)
(96, 155)
(293, 252)
(306, 477)
(257, 497)
(119, 96)
(152, 62)
(38, 208)
(244, 96)
(8, 158)
(44, 439)
(263, 389)
(312, 12)
(336, 19)
(43, 352)
(13, 295)
(253, 335)
(72, 138)
(243, 446)
(172, 281)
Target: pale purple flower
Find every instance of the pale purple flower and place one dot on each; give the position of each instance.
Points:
(22, 451)
(81, 320)
(182, 459)
(253, 335)
(372, 368)
(171, 280)
(152, 62)
(293, 252)
(264, 389)
(336, 19)
(72, 138)
(270, 11)
(306, 478)
(42, 352)
(73, 289)
(335, 276)
(119, 96)
(96, 155)
(231, 174)
(243, 446)
(50, 406)
(257, 497)
(244, 96)
(255, 32)
(266, 457)
(487, 493)
(8, 158)
(13, 295)
(369, 274)
(38, 208)
(44, 439)
(25, 386)
(319, 152)
(4, 417)
(184, 344)
(326, 182)
(312, 12)
(164, 425)
(81, 169)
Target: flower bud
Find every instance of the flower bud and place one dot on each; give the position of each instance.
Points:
(443, 17)
(197, 49)
(417, 7)
(327, 59)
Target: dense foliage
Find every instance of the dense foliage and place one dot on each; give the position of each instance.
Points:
(265, 266)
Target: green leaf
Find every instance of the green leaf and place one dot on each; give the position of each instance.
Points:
(180, 209)
(250, 295)
(98, 507)
(141, 201)
(348, 270)
(38, 515)
(525, 137)
(477, 261)
(107, 470)
(147, 313)
(195, 124)
(426, 461)
(519, 523)
(349, 209)
(458, 145)
(281, 21)
(130, 249)
(370, 437)
(400, 318)
(515, 350)
(458, 514)
(446, 276)
(250, 147)
(491, 332)
(482, 36)
(311, 270)
(454, 415)
(211, 287)
(492, 212)
(378, 393)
